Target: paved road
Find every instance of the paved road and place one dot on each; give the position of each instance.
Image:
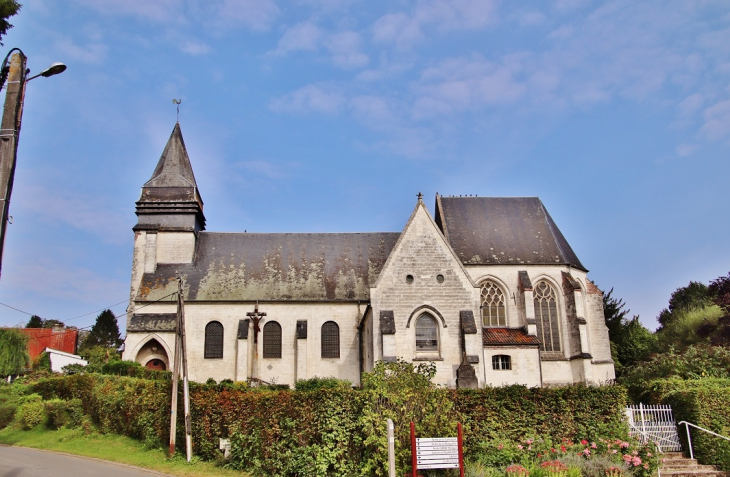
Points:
(24, 462)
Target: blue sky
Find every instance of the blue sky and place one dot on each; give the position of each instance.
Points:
(331, 115)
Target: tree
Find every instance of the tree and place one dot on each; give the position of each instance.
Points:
(52, 323)
(694, 295)
(8, 8)
(13, 352)
(35, 322)
(631, 342)
(105, 332)
(719, 334)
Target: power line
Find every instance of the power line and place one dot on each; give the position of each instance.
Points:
(16, 309)
(95, 311)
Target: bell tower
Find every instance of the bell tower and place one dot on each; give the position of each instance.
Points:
(169, 213)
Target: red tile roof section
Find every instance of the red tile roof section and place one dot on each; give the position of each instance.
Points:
(507, 336)
(42, 338)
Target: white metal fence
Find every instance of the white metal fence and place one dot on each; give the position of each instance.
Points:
(654, 423)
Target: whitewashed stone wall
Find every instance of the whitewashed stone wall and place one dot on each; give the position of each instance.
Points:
(281, 371)
(525, 367)
(423, 253)
(175, 247)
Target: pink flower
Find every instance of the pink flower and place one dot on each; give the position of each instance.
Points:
(626, 458)
(614, 451)
(593, 445)
(635, 453)
(500, 447)
(529, 447)
(646, 466)
(519, 446)
(587, 451)
(636, 461)
(528, 441)
(624, 445)
(648, 454)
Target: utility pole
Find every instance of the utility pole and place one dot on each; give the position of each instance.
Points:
(16, 75)
(180, 359)
(9, 133)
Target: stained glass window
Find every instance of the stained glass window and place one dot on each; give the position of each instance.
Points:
(213, 340)
(330, 340)
(427, 334)
(546, 315)
(493, 309)
(272, 340)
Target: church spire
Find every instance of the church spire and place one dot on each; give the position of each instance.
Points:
(170, 199)
(173, 168)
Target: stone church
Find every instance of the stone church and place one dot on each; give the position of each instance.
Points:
(489, 290)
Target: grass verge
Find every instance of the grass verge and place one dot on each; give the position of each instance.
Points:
(110, 447)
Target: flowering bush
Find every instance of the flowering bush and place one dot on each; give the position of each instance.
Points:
(542, 457)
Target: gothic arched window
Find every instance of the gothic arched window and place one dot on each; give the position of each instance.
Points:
(330, 340)
(272, 340)
(493, 309)
(546, 315)
(213, 340)
(427, 333)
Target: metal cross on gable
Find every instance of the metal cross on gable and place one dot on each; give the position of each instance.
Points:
(256, 317)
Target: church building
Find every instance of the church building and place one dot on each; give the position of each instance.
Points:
(488, 290)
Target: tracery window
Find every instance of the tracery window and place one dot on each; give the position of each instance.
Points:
(272, 340)
(330, 340)
(493, 309)
(501, 362)
(427, 333)
(213, 340)
(546, 315)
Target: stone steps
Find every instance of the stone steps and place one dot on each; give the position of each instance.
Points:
(674, 464)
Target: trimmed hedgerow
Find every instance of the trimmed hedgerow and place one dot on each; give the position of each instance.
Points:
(338, 430)
(704, 404)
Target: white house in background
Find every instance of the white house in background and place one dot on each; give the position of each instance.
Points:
(488, 289)
(59, 359)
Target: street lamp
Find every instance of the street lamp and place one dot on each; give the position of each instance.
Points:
(14, 72)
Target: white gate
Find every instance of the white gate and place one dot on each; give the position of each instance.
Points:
(654, 423)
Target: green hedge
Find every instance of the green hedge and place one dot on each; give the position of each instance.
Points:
(336, 431)
(705, 403)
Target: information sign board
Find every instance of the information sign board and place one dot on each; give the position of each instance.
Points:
(437, 452)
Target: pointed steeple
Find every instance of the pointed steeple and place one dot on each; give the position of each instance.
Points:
(170, 200)
(173, 168)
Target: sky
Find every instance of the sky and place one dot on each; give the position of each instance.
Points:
(332, 115)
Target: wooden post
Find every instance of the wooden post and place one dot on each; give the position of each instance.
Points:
(186, 390)
(9, 134)
(461, 450)
(391, 449)
(414, 454)
(175, 377)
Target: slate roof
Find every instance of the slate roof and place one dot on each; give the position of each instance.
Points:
(503, 230)
(173, 169)
(152, 322)
(507, 337)
(276, 266)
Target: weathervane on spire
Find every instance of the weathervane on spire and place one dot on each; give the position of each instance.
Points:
(177, 101)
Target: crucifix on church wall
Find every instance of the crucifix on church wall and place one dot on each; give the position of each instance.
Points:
(256, 318)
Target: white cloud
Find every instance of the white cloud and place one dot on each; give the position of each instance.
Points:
(346, 50)
(406, 29)
(158, 10)
(302, 36)
(90, 53)
(78, 210)
(192, 47)
(684, 150)
(310, 98)
(255, 14)
(717, 120)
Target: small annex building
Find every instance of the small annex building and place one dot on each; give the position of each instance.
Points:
(489, 290)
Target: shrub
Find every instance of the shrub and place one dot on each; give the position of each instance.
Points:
(316, 383)
(64, 413)
(32, 412)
